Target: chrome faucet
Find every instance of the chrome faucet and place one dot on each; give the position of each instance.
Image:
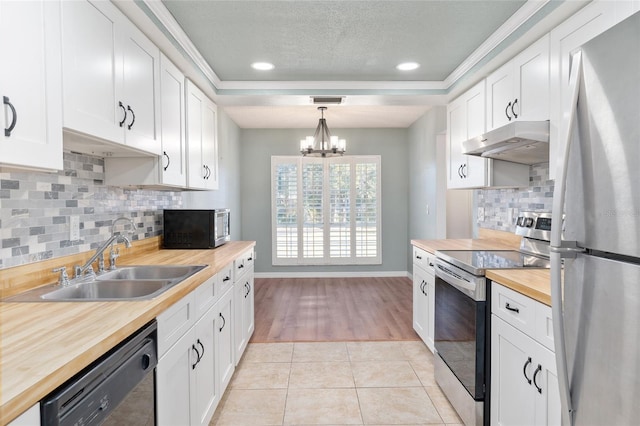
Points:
(99, 254)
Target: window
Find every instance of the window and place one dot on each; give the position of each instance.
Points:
(326, 211)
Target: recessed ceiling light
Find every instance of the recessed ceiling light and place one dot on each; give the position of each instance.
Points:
(262, 66)
(408, 66)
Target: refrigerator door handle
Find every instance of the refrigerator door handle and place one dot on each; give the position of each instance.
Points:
(559, 249)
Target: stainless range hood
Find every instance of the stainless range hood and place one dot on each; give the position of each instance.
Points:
(524, 142)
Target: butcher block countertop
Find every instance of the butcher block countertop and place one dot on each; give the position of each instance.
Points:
(534, 283)
(43, 344)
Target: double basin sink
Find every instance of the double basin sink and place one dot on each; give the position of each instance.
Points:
(126, 283)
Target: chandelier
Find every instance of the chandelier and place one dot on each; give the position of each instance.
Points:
(322, 144)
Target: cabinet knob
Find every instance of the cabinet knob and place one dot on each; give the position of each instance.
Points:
(14, 119)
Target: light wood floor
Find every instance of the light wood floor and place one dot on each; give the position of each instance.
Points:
(333, 309)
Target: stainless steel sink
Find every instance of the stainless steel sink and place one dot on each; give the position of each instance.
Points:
(110, 290)
(131, 283)
(150, 272)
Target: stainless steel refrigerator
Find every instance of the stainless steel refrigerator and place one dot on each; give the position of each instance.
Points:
(596, 297)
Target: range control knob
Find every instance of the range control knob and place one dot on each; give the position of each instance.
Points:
(520, 221)
(529, 222)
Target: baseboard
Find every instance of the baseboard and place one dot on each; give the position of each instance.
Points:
(362, 274)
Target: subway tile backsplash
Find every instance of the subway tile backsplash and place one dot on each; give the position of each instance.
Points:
(501, 206)
(35, 209)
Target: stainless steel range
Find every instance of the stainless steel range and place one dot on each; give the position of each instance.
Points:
(462, 313)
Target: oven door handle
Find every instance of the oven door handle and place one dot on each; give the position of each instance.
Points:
(467, 287)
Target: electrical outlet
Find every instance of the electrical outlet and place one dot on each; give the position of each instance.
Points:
(74, 228)
(480, 214)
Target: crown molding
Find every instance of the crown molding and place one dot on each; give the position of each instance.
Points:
(175, 30)
(522, 15)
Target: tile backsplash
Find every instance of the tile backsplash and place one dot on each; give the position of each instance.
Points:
(35, 210)
(501, 206)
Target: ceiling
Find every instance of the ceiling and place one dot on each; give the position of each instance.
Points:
(348, 48)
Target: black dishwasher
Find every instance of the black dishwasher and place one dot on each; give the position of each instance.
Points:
(118, 388)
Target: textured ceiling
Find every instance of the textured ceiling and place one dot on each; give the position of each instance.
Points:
(340, 40)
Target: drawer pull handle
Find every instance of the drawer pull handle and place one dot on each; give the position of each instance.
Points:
(511, 308)
(227, 278)
(193, 366)
(524, 370)
(121, 123)
(539, 369)
(202, 346)
(418, 256)
(14, 116)
(224, 322)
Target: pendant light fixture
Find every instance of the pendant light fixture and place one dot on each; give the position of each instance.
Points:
(322, 144)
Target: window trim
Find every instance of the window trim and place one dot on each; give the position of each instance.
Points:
(326, 259)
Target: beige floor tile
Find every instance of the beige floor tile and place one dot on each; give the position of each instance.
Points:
(250, 407)
(375, 351)
(321, 351)
(308, 375)
(416, 351)
(322, 406)
(261, 375)
(446, 411)
(397, 406)
(425, 372)
(384, 374)
(268, 352)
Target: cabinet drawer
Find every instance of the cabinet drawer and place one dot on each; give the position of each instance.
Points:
(424, 260)
(175, 321)
(206, 295)
(242, 264)
(225, 279)
(544, 326)
(514, 308)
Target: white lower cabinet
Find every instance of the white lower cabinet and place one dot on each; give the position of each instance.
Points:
(226, 355)
(524, 383)
(197, 352)
(31, 417)
(243, 303)
(423, 296)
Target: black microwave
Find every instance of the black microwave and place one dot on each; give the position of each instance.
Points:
(196, 229)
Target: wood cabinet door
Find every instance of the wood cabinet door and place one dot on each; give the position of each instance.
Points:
(175, 388)
(210, 143)
(500, 96)
(30, 81)
(206, 394)
(224, 342)
(420, 303)
(92, 69)
(512, 366)
(475, 172)
(531, 82)
(140, 96)
(172, 121)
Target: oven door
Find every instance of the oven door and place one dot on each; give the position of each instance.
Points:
(460, 325)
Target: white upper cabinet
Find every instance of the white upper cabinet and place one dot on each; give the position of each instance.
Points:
(30, 84)
(110, 77)
(566, 39)
(202, 139)
(466, 119)
(519, 90)
(174, 170)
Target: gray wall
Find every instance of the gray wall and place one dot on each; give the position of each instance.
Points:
(424, 177)
(228, 194)
(257, 147)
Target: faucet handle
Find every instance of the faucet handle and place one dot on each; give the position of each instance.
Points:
(64, 278)
(114, 253)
